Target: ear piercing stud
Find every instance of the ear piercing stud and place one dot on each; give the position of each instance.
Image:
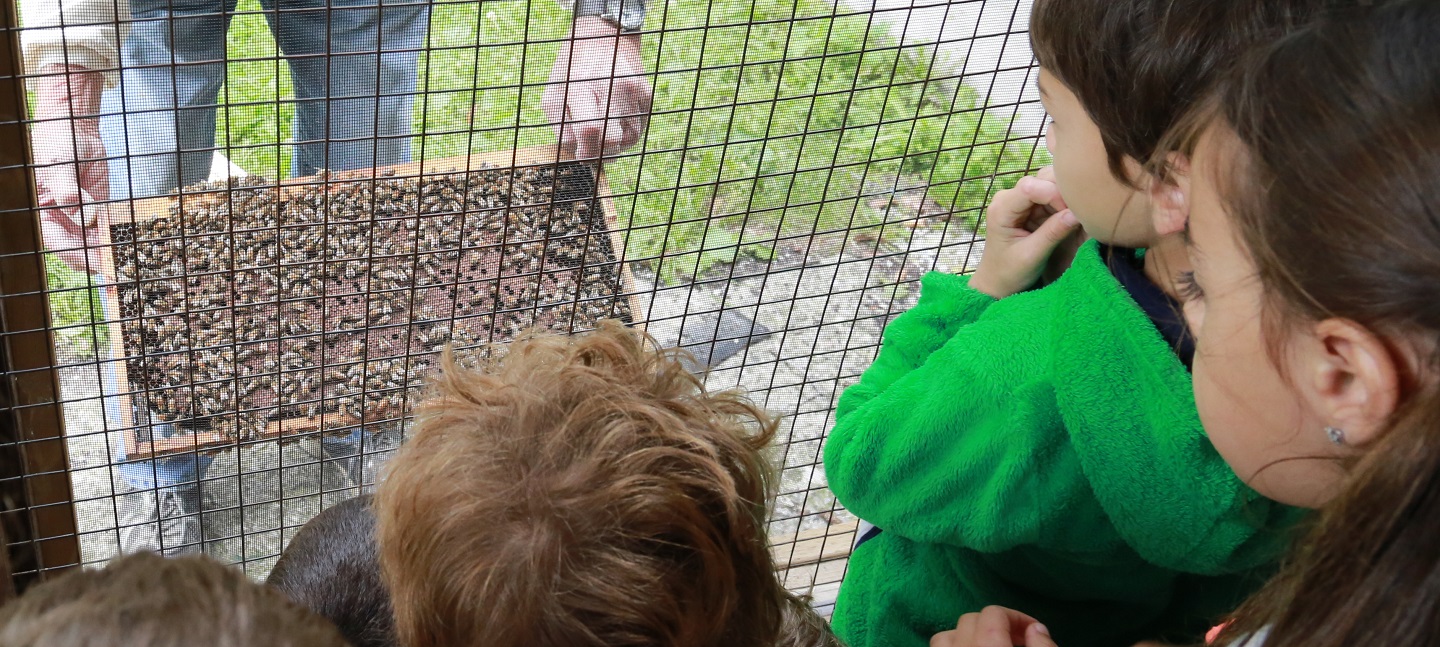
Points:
(1336, 434)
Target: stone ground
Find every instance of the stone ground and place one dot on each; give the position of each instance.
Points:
(820, 305)
(824, 302)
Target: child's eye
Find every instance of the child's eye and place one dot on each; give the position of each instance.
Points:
(1188, 287)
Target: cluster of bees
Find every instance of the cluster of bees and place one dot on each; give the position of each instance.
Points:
(250, 303)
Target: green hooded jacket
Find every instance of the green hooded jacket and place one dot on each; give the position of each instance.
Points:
(1042, 452)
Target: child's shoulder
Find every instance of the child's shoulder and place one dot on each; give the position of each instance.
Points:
(1089, 272)
(1084, 313)
(1030, 324)
(1087, 285)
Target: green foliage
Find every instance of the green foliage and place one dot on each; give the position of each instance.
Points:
(252, 123)
(772, 118)
(779, 117)
(74, 307)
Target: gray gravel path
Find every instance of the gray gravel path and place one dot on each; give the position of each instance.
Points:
(826, 301)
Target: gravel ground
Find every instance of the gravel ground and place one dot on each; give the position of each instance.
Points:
(279, 488)
(825, 301)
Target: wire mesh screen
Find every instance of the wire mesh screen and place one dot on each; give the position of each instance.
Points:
(272, 215)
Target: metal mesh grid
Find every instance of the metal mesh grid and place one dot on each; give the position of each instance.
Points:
(805, 162)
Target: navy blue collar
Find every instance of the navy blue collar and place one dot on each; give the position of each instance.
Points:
(1128, 267)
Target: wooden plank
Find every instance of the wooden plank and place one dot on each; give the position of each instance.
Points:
(137, 449)
(638, 300)
(807, 579)
(814, 546)
(151, 208)
(115, 382)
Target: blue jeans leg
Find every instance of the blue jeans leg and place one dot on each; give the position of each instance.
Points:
(159, 121)
(354, 65)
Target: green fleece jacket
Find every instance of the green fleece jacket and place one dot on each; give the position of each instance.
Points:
(1042, 452)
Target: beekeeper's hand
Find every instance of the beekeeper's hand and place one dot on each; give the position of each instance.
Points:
(598, 97)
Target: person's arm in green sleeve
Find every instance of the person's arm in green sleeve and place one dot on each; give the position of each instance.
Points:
(1026, 225)
(947, 302)
(967, 449)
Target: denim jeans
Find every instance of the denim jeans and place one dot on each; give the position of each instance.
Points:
(353, 63)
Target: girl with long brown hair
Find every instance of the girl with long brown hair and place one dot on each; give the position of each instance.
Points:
(1313, 205)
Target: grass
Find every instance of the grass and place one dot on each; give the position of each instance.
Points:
(772, 119)
(74, 307)
(779, 119)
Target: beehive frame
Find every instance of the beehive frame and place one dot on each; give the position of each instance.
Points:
(147, 210)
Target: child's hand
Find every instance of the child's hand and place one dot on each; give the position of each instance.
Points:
(994, 627)
(1026, 224)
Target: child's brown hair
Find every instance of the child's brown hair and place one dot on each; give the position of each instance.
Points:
(581, 491)
(1137, 65)
(144, 600)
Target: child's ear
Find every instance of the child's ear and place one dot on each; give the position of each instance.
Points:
(1169, 195)
(1356, 378)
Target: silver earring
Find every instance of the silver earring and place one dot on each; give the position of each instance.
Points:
(1336, 434)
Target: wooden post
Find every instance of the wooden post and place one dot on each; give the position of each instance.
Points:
(36, 504)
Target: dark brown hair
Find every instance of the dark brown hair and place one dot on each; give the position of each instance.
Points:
(1137, 65)
(581, 491)
(801, 626)
(332, 567)
(1332, 178)
(144, 600)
